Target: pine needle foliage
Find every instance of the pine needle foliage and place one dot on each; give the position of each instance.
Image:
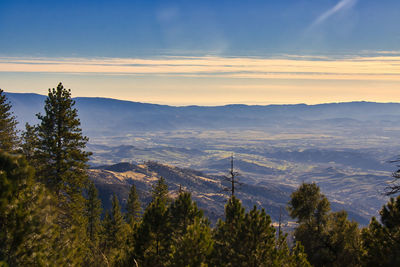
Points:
(8, 134)
(63, 168)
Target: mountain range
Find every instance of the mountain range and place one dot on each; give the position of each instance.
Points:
(346, 148)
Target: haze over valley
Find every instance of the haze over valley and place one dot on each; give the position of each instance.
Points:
(346, 148)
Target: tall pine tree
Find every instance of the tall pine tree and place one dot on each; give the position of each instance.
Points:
(114, 235)
(93, 213)
(133, 207)
(227, 235)
(152, 237)
(8, 132)
(63, 167)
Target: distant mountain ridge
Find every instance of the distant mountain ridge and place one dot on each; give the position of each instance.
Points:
(206, 190)
(105, 116)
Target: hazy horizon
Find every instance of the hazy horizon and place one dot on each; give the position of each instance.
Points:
(204, 52)
(210, 105)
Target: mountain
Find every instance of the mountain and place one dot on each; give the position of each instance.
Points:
(207, 190)
(104, 116)
(346, 148)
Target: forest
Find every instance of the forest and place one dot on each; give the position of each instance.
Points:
(51, 214)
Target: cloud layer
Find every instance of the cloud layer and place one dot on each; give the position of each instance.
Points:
(379, 67)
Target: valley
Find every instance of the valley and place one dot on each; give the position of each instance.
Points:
(346, 148)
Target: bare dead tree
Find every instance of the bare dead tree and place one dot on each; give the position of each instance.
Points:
(232, 178)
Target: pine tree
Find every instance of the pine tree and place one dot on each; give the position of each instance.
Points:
(307, 204)
(133, 206)
(152, 238)
(30, 143)
(8, 133)
(182, 213)
(381, 241)
(227, 235)
(93, 212)
(194, 247)
(63, 167)
(258, 239)
(115, 232)
(62, 145)
(329, 239)
(27, 233)
(160, 190)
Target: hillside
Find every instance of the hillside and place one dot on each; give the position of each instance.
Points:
(344, 147)
(207, 190)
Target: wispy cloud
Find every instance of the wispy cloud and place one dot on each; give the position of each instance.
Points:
(343, 4)
(380, 67)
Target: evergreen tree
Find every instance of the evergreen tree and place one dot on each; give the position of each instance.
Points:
(160, 190)
(194, 247)
(297, 257)
(307, 204)
(227, 235)
(152, 238)
(182, 213)
(115, 232)
(8, 133)
(381, 241)
(248, 239)
(93, 212)
(27, 231)
(63, 167)
(258, 239)
(30, 143)
(329, 239)
(133, 206)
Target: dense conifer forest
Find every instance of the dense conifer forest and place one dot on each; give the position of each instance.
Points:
(51, 215)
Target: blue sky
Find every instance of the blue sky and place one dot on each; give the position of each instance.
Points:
(85, 30)
(132, 28)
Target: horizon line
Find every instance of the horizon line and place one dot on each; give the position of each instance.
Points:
(220, 105)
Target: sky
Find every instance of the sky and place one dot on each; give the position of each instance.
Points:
(204, 52)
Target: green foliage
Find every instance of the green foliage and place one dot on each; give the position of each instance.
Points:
(258, 238)
(93, 212)
(182, 213)
(26, 222)
(160, 190)
(151, 238)
(115, 231)
(329, 239)
(30, 143)
(62, 146)
(381, 241)
(308, 204)
(244, 239)
(194, 247)
(298, 258)
(63, 168)
(227, 241)
(8, 133)
(133, 207)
